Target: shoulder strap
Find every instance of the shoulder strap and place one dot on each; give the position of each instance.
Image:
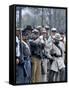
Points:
(60, 49)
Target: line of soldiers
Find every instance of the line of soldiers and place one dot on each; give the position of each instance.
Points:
(40, 55)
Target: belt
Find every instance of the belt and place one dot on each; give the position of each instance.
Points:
(37, 56)
(26, 58)
(58, 56)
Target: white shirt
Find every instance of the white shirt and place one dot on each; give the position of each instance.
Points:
(58, 62)
(17, 47)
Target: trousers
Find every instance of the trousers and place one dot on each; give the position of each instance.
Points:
(36, 70)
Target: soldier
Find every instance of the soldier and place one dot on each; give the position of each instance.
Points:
(53, 32)
(36, 59)
(63, 44)
(47, 28)
(28, 30)
(39, 28)
(19, 68)
(45, 44)
(63, 37)
(48, 45)
(35, 34)
(58, 60)
(25, 54)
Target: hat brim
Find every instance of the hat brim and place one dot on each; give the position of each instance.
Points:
(57, 39)
(53, 31)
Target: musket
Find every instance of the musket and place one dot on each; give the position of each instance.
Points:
(20, 25)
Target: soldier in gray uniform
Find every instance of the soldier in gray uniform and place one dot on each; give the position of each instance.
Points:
(46, 40)
(58, 60)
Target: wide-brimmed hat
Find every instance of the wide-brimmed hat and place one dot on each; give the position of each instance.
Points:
(62, 33)
(18, 29)
(28, 27)
(35, 31)
(53, 29)
(24, 33)
(38, 27)
(57, 36)
(47, 27)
